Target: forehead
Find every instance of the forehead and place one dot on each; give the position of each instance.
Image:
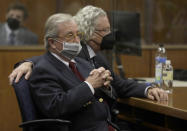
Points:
(102, 22)
(66, 27)
(15, 12)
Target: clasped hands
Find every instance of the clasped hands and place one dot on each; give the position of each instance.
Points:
(99, 77)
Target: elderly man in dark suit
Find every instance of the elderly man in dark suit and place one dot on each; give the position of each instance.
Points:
(66, 87)
(12, 32)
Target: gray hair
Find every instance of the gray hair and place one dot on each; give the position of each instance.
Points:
(51, 26)
(86, 20)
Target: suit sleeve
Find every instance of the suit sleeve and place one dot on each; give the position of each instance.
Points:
(128, 88)
(34, 60)
(124, 87)
(55, 99)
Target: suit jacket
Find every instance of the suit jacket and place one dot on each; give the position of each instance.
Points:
(24, 36)
(123, 87)
(58, 93)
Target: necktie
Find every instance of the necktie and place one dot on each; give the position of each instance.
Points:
(75, 71)
(12, 38)
(110, 128)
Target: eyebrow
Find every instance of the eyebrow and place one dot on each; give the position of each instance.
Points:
(70, 32)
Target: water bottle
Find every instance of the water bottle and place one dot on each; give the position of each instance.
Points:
(168, 76)
(160, 59)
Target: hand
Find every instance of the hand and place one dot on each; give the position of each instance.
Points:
(97, 37)
(99, 77)
(107, 77)
(95, 41)
(24, 68)
(157, 94)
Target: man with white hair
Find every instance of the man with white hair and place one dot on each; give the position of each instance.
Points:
(65, 87)
(94, 24)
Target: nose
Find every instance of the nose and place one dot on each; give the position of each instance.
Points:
(76, 39)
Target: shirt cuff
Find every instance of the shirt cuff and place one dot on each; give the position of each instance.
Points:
(90, 86)
(30, 62)
(146, 89)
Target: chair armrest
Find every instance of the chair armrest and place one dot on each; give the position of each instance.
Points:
(44, 122)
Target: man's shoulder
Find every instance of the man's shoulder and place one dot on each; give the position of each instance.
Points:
(27, 32)
(100, 56)
(48, 61)
(40, 59)
(101, 59)
(2, 25)
(43, 65)
(81, 60)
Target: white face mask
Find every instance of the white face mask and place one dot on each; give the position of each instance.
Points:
(70, 50)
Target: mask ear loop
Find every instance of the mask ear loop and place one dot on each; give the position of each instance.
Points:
(60, 43)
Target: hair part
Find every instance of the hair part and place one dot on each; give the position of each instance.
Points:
(19, 6)
(51, 26)
(86, 19)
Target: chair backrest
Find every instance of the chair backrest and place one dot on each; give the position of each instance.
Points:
(27, 109)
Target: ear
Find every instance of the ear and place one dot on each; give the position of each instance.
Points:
(51, 43)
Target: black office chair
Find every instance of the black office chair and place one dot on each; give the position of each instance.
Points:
(29, 112)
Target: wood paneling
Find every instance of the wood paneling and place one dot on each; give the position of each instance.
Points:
(39, 11)
(168, 22)
(9, 111)
(135, 66)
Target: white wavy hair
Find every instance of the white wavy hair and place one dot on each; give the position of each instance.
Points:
(51, 26)
(86, 20)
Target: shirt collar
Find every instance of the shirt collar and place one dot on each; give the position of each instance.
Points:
(60, 59)
(91, 51)
(7, 29)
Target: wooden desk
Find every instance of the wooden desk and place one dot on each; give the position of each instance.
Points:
(165, 115)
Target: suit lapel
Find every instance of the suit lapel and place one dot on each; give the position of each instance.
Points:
(83, 67)
(63, 69)
(84, 52)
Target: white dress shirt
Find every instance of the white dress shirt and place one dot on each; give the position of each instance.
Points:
(8, 32)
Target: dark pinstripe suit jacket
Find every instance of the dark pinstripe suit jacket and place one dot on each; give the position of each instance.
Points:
(58, 93)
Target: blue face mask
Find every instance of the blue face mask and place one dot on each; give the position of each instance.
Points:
(70, 50)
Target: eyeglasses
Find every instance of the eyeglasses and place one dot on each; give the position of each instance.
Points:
(71, 36)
